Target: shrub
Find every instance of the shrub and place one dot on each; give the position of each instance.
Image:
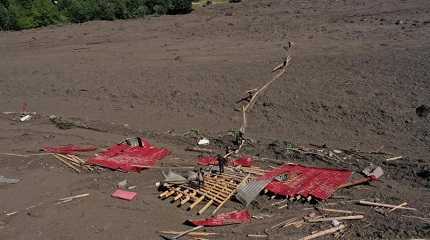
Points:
(4, 18)
(24, 14)
(5, 3)
(159, 10)
(44, 13)
(137, 8)
(141, 11)
(79, 11)
(181, 6)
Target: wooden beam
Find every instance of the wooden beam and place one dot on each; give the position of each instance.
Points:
(384, 205)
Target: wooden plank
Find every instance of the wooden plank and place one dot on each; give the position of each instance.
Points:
(336, 210)
(188, 198)
(196, 202)
(171, 192)
(202, 210)
(354, 217)
(164, 193)
(231, 194)
(207, 194)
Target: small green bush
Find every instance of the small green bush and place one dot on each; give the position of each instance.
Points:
(159, 10)
(141, 11)
(181, 6)
(44, 13)
(79, 11)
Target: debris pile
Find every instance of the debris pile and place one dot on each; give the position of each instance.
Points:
(236, 179)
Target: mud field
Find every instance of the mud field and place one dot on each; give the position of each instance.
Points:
(359, 71)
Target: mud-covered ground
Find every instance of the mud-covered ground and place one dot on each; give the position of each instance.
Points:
(359, 71)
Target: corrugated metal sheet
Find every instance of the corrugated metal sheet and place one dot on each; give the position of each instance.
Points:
(247, 193)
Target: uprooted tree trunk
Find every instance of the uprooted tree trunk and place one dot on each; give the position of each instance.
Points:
(254, 95)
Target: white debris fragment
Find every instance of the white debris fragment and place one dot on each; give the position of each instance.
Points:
(204, 141)
(335, 222)
(25, 118)
(122, 184)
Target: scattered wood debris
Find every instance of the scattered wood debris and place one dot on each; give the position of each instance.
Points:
(183, 233)
(262, 216)
(329, 219)
(257, 235)
(283, 223)
(74, 162)
(336, 210)
(398, 206)
(393, 158)
(325, 232)
(385, 205)
(71, 198)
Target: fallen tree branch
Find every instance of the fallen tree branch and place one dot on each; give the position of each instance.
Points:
(265, 86)
(251, 103)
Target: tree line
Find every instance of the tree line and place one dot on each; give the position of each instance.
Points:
(24, 14)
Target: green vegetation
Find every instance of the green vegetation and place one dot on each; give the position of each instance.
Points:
(23, 14)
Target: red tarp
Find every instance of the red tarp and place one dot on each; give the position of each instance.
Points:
(306, 181)
(234, 217)
(68, 149)
(206, 161)
(130, 159)
(243, 161)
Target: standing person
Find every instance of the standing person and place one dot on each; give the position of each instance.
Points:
(222, 161)
(200, 178)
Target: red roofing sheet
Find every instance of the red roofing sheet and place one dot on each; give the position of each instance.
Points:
(305, 181)
(130, 159)
(234, 217)
(68, 149)
(242, 161)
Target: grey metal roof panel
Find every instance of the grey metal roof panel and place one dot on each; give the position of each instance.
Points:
(247, 193)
